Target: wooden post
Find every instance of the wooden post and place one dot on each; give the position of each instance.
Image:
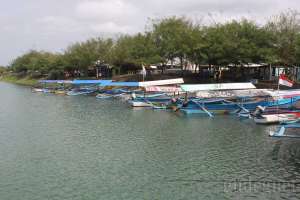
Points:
(270, 72)
(97, 73)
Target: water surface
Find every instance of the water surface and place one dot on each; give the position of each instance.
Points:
(61, 147)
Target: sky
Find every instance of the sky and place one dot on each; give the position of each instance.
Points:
(52, 25)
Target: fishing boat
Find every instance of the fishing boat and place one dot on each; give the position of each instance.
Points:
(158, 95)
(229, 106)
(81, 91)
(280, 114)
(278, 118)
(60, 92)
(52, 86)
(115, 93)
(48, 90)
(287, 130)
(37, 89)
(267, 115)
(147, 99)
(86, 87)
(237, 97)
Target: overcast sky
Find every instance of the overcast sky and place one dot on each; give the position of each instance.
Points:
(54, 24)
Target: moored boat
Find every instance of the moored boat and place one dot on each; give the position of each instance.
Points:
(37, 89)
(232, 98)
(277, 118)
(274, 115)
(286, 130)
(81, 91)
(146, 99)
(60, 92)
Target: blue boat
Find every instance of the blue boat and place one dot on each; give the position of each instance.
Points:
(86, 87)
(226, 98)
(224, 106)
(149, 100)
(287, 131)
(81, 91)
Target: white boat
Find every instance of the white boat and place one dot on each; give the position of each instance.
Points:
(276, 118)
(139, 104)
(283, 131)
(37, 90)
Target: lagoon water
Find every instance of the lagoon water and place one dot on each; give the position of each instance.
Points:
(61, 147)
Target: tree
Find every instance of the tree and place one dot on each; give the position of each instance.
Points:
(285, 28)
(82, 55)
(172, 37)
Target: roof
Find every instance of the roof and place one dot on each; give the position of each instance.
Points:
(55, 81)
(161, 82)
(218, 86)
(147, 83)
(125, 84)
(162, 89)
(77, 82)
(233, 93)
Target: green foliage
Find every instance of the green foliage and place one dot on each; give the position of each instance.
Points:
(285, 29)
(55, 74)
(172, 37)
(82, 55)
(35, 61)
(3, 69)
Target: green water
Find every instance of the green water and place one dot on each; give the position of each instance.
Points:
(61, 147)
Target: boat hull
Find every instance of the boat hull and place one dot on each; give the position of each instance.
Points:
(276, 118)
(72, 93)
(148, 102)
(37, 90)
(225, 107)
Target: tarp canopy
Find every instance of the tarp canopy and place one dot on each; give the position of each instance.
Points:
(162, 89)
(147, 83)
(55, 81)
(123, 84)
(104, 82)
(218, 86)
(233, 93)
(285, 93)
(161, 82)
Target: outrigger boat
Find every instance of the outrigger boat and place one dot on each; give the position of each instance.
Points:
(116, 93)
(157, 97)
(86, 87)
(81, 91)
(59, 85)
(280, 115)
(147, 99)
(238, 97)
(37, 89)
(273, 115)
(290, 128)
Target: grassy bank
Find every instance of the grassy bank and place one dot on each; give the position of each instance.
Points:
(21, 81)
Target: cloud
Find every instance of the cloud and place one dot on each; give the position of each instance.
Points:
(111, 27)
(58, 24)
(53, 24)
(105, 10)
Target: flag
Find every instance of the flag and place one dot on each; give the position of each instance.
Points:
(283, 80)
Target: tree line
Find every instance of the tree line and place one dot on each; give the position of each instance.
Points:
(236, 42)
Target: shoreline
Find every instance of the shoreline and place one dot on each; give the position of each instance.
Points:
(31, 82)
(26, 81)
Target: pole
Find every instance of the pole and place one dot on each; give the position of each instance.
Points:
(278, 98)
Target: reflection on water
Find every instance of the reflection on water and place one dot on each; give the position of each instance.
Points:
(60, 147)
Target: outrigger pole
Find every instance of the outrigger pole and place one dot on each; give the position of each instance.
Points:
(203, 108)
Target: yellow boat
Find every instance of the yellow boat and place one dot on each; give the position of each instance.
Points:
(60, 92)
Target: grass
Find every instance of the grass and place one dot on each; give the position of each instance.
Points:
(21, 81)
